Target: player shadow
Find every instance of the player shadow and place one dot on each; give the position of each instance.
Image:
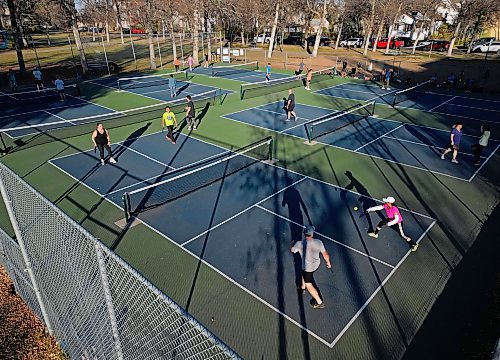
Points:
(365, 200)
(130, 140)
(297, 209)
(181, 89)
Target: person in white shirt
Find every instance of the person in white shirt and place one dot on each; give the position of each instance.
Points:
(37, 73)
(59, 83)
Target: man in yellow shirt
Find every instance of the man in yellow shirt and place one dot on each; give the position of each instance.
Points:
(168, 121)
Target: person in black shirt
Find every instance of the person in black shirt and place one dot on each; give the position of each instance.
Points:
(290, 106)
(190, 114)
(100, 138)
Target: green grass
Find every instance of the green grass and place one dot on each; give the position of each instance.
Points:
(250, 328)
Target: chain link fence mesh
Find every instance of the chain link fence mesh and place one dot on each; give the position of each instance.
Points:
(98, 306)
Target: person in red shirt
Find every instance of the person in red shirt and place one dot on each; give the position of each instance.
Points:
(393, 220)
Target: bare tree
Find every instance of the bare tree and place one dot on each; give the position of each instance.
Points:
(16, 34)
(273, 31)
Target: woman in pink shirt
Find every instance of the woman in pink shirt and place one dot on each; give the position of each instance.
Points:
(393, 220)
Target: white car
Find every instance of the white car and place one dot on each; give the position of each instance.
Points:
(262, 38)
(352, 42)
(488, 47)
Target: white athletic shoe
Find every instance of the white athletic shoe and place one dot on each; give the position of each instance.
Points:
(112, 160)
(442, 156)
(455, 161)
(102, 162)
(373, 234)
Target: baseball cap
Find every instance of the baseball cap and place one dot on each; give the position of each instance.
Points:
(309, 230)
(389, 199)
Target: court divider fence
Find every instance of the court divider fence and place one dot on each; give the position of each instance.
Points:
(94, 303)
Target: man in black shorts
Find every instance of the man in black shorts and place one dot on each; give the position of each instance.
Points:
(290, 106)
(190, 114)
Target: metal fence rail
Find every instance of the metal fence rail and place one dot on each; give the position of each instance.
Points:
(95, 304)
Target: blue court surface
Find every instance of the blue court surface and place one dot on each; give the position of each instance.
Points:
(52, 113)
(243, 75)
(461, 108)
(157, 88)
(407, 144)
(271, 204)
(44, 109)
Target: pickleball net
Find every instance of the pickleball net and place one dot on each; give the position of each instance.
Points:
(339, 120)
(182, 181)
(17, 134)
(408, 94)
(150, 80)
(262, 88)
(235, 69)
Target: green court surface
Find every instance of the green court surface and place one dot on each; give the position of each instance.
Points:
(385, 325)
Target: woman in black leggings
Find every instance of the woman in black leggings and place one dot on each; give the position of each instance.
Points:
(100, 138)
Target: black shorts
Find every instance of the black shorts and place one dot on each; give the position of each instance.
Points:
(453, 147)
(290, 107)
(60, 91)
(308, 276)
(38, 82)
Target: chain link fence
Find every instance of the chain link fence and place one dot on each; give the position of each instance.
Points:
(96, 305)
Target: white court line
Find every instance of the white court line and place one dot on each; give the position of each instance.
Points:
(476, 108)
(378, 289)
(484, 162)
(54, 115)
(352, 151)
(462, 116)
(379, 137)
(443, 103)
(241, 212)
(164, 174)
(39, 110)
(130, 92)
(8, 95)
(327, 237)
(422, 144)
(226, 276)
(241, 287)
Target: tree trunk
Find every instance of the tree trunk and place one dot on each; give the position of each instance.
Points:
(317, 41)
(119, 20)
(370, 28)
(379, 33)
(418, 35)
(391, 28)
(196, 35)
(242, 37)
(340, 33)
(454, 38)
(47, 33)
(273, 31)
(78, 43)
(174, 45)
(16, 34)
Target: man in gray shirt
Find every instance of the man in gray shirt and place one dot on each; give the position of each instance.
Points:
(309, 250)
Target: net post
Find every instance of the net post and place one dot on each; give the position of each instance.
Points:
(372, 112)
(394, 99)
(241, 92)
(257, 65)
(126, 206)
(308, 133)
(270, 155)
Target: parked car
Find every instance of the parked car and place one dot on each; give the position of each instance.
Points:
(262, 38)
(324, 40)
(352, 42)
(439, 45)
(136, 30)
(481, 41)
(395, 43)
(294, 40)
(494, 47)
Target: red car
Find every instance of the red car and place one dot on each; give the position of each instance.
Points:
(439, 45)
(138, 31)
(395, 43)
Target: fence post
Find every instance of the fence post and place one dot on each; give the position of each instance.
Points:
(159, 51)
(286, 60)
(109, 301)
(29, 267)
(105, 55)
